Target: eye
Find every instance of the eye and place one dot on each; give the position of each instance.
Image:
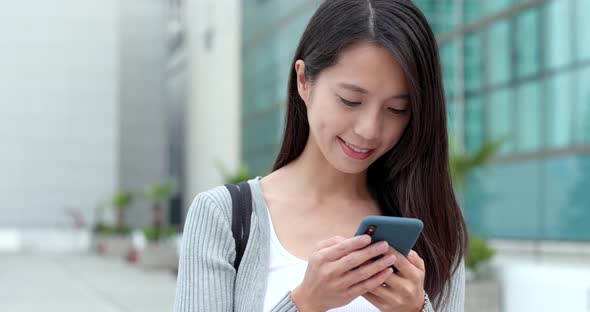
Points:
(349, 103)
(398, 111)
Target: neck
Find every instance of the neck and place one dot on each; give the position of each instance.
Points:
(312, 174)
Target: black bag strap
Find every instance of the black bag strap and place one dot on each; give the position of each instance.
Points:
(241, 198)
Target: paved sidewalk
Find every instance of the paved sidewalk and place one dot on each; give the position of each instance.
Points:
(81, 283)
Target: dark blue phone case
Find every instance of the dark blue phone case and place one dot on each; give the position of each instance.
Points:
(400, 233)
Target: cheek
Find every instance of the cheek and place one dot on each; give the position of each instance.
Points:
(395, 132)
(324, 117)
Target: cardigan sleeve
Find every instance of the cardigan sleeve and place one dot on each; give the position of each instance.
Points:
(206, 275)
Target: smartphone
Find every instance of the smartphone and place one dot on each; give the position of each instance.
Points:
(400, 233)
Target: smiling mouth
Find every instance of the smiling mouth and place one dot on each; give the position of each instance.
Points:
(355, 151)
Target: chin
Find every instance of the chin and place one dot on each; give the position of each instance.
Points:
(348, 168)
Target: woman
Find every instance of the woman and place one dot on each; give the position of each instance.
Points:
(365, 134)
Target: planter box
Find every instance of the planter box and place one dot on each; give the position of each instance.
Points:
(159, 255)
(483, 296)
(116, 246)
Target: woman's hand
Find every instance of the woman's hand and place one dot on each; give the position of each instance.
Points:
(336, 275)
(403, 291)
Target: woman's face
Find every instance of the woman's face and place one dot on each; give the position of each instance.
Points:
(358, 108)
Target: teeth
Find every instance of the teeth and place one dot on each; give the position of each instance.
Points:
(358, 150)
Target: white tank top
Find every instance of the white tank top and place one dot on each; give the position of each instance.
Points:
(287, 271)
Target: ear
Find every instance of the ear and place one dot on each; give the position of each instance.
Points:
(302, 83)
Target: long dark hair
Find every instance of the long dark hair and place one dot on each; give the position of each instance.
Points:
(412, 179)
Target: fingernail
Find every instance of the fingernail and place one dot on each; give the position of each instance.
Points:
(390, 270)
(383, 246)
(364, 238)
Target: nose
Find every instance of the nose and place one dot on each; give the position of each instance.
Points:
(368, 125)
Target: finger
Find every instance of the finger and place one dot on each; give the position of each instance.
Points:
(391, 285)
(366, 271)
(341, 249)
(405, 268)
(415, 259)
(356, 258)
(329, 242)
(365, 286)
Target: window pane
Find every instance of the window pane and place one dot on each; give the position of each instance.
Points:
(583, 16)
(500, 119)
(472, 10)
(529, 112)
(447, 58)
(472, 59)
(559, 111)
(473, 123)
(451, 117)
(558, 40)
(499, 53)
(526, 50)
(583, 103)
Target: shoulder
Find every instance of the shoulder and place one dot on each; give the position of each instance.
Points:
(212, 206)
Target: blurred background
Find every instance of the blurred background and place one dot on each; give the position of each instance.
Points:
(115, 114)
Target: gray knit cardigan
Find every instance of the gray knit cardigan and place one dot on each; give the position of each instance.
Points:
(207, 280)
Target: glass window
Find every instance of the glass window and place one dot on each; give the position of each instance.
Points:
(526, 49)
(473, 123)
(447, 56)
(499, 53)
(451, 117)
(559, 111)
(472, 10)
(559, 33)
(472, 61)
(583, 106)
(529, 117)
(495, 6)
(499, 119)
(583, 17)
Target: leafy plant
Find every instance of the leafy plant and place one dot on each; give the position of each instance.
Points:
(158, 194)
(461, 164)
(154, 233)
(240, 175)
(112, 229)
(479, 252)
(120, 202)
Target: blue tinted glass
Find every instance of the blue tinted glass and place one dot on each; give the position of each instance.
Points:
(473, 123)
(499, 119)
(560, 111)
(529, 117)
(583, 24)
(447, 55)
(472, 61)
(567, 198)
(526, 49)
(451, 117)
(583, 106)
(558, 41)
(498, 53)
(502, 200)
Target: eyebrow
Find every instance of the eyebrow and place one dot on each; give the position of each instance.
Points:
(358, 89)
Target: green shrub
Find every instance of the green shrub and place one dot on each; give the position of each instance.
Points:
(479, 252)
(154, 233)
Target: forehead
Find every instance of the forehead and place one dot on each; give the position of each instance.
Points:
(369, 66)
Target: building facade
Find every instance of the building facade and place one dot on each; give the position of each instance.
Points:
(514, 70)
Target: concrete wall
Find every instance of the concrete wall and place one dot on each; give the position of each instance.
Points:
(58, 108)
(213, 110)
(143, 118)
